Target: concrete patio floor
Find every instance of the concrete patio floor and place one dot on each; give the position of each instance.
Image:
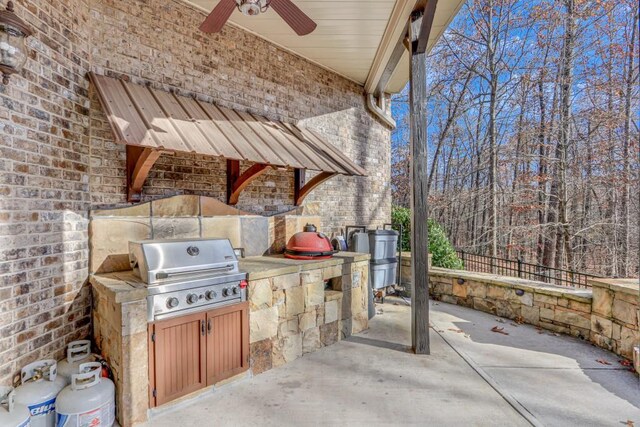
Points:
(372, 378)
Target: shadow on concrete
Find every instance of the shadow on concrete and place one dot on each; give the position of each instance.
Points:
(539, 352)
(380, 343)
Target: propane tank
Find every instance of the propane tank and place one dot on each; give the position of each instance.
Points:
(38, 390)
(89, 400)
(12, 414)
(77, 352)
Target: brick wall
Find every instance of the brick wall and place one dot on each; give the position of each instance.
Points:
(236, 70)
(59, 158)
(44, 187)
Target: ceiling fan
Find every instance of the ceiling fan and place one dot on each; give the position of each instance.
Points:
(292, 15)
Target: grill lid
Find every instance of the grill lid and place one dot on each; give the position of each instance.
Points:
(156, 261)
(309, 245)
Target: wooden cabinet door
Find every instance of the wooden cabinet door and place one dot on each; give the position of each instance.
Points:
(179, 348)
(227, 342)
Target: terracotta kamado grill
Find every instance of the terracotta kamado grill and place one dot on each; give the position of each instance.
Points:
(309, 244)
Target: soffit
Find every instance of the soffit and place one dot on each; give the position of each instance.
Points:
(345, 41)
(348, 35)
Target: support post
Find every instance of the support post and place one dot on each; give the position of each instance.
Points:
(419, 179)
(299, 180)
(233, 173)
(425, 22)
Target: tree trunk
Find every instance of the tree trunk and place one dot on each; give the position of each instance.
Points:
(516, 164)
(565, 132)
(626, 173)
(493, 155)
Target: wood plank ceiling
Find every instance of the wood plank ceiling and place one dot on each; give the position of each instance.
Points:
(348, 35)
(346, 39)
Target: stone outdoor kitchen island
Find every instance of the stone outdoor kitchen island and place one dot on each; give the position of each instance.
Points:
(291, 314)
(295, 306)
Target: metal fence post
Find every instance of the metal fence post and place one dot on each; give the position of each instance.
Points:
(464, 264)
(520, 267)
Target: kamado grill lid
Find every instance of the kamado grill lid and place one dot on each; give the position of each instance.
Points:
(309, 244)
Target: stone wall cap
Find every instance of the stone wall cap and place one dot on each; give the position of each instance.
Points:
(628, 286)
(581, 295)
(121, 287)
(405, 259)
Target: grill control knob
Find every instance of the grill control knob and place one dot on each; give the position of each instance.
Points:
(226, 292)
(210, 295)
(236, 290)
(192, 298)
(172, 302)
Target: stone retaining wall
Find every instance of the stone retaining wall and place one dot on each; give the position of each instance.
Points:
(615, 315)
(608, 315)
(405, 265)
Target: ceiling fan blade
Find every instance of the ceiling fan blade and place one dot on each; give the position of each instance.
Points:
(293, 16)
(218, 16)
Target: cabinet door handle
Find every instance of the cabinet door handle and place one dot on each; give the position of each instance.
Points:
(209, 326)
(202, 327)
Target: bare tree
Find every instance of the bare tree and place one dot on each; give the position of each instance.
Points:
(533, 133)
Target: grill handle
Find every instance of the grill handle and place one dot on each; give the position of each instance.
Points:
(162, 275)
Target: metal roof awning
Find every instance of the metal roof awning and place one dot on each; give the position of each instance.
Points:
(151, 121)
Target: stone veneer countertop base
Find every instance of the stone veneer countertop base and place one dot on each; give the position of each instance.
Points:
(125, 286)
(292, 314)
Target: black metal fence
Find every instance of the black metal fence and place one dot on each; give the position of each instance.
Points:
(523, 270)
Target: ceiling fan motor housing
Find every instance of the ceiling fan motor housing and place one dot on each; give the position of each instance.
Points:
(289, 12)
(252, 7)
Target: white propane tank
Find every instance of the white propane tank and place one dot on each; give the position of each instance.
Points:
(77, 352)
(38, 390)
(89, 400)
(12, 414)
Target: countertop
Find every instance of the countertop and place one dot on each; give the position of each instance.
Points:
(261, 267)
(124, 286)
(121, 286)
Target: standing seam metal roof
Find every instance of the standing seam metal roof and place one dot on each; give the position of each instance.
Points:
(160, 120)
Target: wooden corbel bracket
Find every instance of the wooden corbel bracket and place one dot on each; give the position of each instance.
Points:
(303, 188)
(140, 160)
(237, 182)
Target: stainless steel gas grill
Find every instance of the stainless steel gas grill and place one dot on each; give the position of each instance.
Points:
(185, 276)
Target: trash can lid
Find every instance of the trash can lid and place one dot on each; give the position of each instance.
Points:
(384, 232)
